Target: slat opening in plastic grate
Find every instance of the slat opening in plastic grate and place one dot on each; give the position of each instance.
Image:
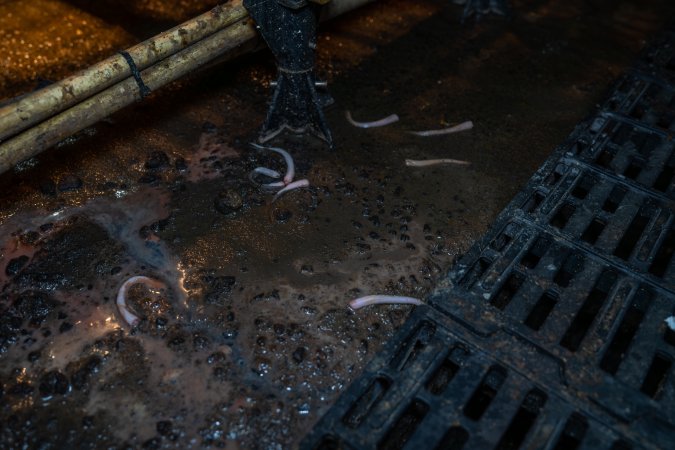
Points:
(665, 120)
(671, 64)
(536, 251)
(633, 234)
(409, 353)
(330, 442)
(593, 230)
(476, 272)
(588, 311)
(628, 326)
(446, 371)
(367, 402)
(664, 255)
(669, 335)
(522, 421)
(404, 426)
(621, 445)
(563, 215)
(635, 166)
(454, 439)
(533, 201)
(485, 393)
(505, 237)
(614, 199)
(605, 158)
(555, 176)
(573, 433)
(584, 186)
(664, 181)
(571, 267)
(657, 375)
(508, 290)
(541, 310)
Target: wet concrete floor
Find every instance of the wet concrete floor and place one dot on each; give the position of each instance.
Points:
(248, 339)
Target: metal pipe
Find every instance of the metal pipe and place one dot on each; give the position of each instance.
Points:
(86, 113)
(38, 106)
(237, 37)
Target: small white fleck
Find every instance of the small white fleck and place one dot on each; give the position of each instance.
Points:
(671, 322)
(551, 267)
(486, 296)
(56, 214)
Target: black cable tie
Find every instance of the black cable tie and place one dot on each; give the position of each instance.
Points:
(142, 88)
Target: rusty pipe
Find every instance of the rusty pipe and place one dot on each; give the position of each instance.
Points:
(44, 103)
(107, 97)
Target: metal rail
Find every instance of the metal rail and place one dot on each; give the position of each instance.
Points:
(37, 121)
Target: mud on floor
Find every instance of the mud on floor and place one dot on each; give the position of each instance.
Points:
(248, 339)
(252, 316)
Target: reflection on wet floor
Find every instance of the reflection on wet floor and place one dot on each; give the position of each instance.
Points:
(262, 340)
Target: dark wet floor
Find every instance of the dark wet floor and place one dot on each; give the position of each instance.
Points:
(249, 338)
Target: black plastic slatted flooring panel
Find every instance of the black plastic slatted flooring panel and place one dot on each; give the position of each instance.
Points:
(437, 385)
(615, 147)
(553, 333)
(597, 216)
(604, 327)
